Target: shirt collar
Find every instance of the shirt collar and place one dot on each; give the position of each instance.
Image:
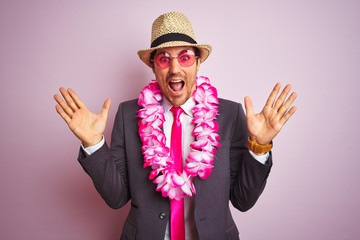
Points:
(187, 106)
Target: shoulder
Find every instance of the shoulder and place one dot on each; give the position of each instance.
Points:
(225, 105)
(230, 111)
(128, 108)
(129, 105)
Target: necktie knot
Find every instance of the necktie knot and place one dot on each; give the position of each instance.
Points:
(177, 111)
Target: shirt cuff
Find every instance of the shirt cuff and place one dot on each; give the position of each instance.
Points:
(90, 150)
(262, 158)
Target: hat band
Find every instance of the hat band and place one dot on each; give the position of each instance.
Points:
(170, 37)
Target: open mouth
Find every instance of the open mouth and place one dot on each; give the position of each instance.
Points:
(176, 85)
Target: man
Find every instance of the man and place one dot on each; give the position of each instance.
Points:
(198, 151)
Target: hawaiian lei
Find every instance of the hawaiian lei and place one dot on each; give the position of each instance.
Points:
(173, 184)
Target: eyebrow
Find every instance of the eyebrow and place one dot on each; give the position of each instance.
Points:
(164, 52)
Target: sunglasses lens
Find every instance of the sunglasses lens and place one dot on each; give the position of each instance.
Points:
(162, 60)
(185, 59)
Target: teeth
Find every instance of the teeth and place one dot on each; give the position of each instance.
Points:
(176, 81)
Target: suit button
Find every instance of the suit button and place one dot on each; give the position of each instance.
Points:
(162, 216)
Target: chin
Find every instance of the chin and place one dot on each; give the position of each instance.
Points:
(178, 101)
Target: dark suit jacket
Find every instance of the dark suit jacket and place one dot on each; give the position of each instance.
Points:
(119, 176)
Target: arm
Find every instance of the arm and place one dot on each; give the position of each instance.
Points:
(248, 176)
(108, 168)
(108, 174)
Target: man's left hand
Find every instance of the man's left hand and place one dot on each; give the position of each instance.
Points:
(264, 126)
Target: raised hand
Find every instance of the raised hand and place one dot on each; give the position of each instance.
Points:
(264, 126)
(87, 126)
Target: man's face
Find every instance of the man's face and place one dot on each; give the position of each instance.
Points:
(177, 83)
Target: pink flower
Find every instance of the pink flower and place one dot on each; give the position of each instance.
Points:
(207, 94)
(150, 95)
(206, 129)
(200, 169)
(152, 137)
(151, 110)
(202, 79)
(155, 172)
(154, 87)
(201, 156)
(147, 98)
(203, 144)
(155, 160)
(155, 121)
(153, 115)
(173, 185)
(160, 151)
(204, 116)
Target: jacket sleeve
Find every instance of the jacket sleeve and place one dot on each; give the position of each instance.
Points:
(107, 168)
(248, 176)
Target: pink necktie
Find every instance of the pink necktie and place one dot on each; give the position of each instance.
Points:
(177, 223)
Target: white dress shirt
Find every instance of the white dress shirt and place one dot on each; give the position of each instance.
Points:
(187, 138)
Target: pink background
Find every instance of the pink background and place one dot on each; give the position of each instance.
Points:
(90, 46)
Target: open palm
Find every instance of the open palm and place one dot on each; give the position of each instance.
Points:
(87, 126)
(264, 126)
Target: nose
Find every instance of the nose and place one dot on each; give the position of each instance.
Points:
(174, 65)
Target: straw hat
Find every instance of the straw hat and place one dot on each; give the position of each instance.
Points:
(173, 29)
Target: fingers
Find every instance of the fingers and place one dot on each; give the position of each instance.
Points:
(62, 114)
(284, 108)
(65, 108)
(248, 106)
(279, 105)
(273, 94)
(76, 99)
(287, 116)
(279, 102)
(105, 109)
(69, 100)
(72, 103)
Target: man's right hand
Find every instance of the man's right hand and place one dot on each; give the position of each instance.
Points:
(87, 126)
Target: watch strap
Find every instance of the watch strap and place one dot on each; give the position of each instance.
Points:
(257, 148)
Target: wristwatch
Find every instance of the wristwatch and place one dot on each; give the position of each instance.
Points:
(257, 148)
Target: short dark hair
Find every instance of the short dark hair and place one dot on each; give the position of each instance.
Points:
(197, 52)
(152, 55)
